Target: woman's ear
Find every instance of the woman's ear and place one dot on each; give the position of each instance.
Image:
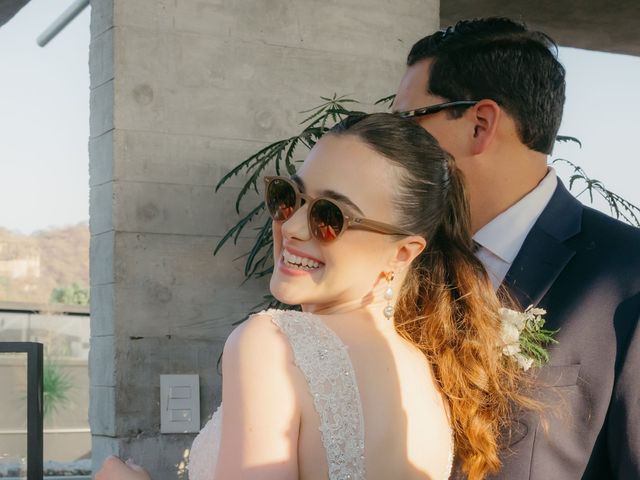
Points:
(407, 250)
(486, 115)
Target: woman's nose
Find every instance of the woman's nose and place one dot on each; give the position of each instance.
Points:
(296, 227)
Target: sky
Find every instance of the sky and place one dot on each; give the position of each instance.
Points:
(44, 120)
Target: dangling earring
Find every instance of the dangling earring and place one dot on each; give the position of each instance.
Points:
(388, 296)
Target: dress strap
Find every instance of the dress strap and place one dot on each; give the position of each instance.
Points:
(324, 361)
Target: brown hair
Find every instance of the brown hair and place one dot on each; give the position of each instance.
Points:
(447, 306)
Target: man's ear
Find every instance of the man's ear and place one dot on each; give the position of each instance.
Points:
(485, 116)
(408, 249)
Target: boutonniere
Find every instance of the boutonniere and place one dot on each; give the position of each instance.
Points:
(523, 336)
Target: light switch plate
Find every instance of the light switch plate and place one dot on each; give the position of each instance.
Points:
(179, 403)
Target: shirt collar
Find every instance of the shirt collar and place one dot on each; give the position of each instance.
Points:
(504, 235)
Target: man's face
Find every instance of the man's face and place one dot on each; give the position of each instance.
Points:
(413, 93)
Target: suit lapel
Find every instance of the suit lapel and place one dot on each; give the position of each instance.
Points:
(544, 253)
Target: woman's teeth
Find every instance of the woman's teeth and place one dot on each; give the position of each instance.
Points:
(299, 262)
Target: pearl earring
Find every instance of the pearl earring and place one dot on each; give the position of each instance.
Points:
(388, 295)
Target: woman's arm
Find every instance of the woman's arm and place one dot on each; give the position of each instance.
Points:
(261, 414)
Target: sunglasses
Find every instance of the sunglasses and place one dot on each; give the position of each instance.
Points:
(327, 219)
(419, 112)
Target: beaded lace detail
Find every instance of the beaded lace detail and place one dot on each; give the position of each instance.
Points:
(203, 455)
(325, 363)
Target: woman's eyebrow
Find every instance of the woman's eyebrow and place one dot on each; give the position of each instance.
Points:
(329, 193)
(298, 182)
(341, 198)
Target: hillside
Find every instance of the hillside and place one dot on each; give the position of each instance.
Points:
(31, 266)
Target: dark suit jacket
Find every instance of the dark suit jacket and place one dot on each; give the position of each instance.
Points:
(583, 267)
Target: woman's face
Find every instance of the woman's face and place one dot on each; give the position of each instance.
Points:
(349, 268)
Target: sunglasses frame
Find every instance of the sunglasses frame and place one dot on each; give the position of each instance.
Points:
(349, 221)
(419, 112)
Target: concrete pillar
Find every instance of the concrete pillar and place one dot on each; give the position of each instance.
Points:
(181, 90)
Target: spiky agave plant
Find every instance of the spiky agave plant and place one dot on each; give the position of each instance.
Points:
(56, 386)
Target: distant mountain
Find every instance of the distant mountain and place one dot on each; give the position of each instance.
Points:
(31, 266)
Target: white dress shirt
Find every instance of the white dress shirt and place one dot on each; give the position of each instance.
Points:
(500, 240)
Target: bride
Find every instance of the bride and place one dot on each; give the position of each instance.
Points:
(394, 362)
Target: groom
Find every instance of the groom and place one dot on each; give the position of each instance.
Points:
(538, 241)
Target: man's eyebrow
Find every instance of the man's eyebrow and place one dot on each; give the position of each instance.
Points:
(330, 194)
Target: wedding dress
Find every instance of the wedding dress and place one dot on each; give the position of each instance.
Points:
(324, 361)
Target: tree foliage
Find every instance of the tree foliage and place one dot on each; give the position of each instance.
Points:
(72, 294)
(32, 266)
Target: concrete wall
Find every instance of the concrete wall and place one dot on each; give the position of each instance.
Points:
(180, 92)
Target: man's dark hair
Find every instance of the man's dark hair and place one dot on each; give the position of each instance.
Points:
(499, 59)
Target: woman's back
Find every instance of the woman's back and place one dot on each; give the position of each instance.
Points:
(366, 403)
(406, 430)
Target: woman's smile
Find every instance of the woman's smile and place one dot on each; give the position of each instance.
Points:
(295, 262)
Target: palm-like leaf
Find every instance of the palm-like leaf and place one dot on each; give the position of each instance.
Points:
(386, 100)
(620, 208)
(566, 138)
(262, 247)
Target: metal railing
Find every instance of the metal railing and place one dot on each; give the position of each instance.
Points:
(35, 435)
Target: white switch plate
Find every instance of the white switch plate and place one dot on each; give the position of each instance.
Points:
(179, 403)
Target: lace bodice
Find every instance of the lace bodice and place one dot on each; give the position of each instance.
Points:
(203, 455)
(324, 361)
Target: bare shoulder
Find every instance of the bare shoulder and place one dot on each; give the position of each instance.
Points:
(259, 337)
(260, 393)
(258, 349)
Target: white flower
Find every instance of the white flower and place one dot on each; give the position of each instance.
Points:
(511, 317)
(513, 324)
(534, 318)
(536, 311)
(524, 362)
(511, 349)
(522, 335)
(510, 335)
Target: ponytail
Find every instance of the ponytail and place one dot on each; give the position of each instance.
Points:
(447, 306)
(448, 309)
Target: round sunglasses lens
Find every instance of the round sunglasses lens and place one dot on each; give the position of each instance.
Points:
(281, 200)
(326, 220)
